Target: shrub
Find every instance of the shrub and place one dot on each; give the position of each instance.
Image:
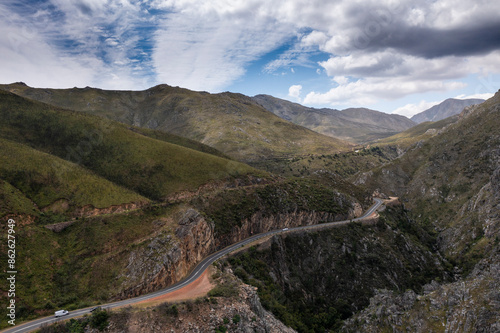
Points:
(99, 319)
(221, 329)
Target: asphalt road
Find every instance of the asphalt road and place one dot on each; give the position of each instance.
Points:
(196, 273)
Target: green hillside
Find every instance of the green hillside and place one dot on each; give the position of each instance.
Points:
(43, 179)
(148, 166)
(419, 132)
(231, 123)
(13, 201)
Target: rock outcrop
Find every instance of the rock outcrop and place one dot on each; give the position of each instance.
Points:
(259, 223)
(168, 258)
(469, 305)
(451, 184)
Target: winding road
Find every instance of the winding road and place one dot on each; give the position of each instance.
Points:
(195, 273)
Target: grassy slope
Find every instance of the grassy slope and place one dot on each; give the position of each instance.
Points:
(343, 165)
(420, 132)
(13, 201)
(232, 123)
(44, 179)
(82, 265)
(148, 166)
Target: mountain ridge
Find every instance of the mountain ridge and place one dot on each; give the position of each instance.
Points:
(447, 108)
(232, 123)
(359, 125)
(134, 158)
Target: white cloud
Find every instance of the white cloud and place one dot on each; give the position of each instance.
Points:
(410, 110)
(474, 96)
(341, 80)
(88, 42)
(315, 38)
(294, 91)
(367, 91)
(207, 46)
(390, 75)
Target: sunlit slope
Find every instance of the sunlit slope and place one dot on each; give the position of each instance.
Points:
(150, 167)
(421, 131)
(44, 179)
(231, 123)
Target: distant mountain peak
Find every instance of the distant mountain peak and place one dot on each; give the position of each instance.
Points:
(359, 125)
(449, 107)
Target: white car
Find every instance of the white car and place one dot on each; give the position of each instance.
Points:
(285, 229)
(61, 313)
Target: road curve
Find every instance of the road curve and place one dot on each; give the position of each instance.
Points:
(195, 273)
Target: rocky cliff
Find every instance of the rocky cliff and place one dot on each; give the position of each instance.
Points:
(260, 223)
(451, 183)
(468, 305)
(166, 259)
(313, 280)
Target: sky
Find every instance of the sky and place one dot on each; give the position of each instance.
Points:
(393, 56)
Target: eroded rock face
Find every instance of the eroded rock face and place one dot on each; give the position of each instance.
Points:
(258, 223)
(472, 302)
(469, 305)
(167, 258)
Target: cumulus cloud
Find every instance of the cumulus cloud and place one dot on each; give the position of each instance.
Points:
(370, 50)
(474, 96)
(367, 91)
(417, 47)
(294, 91)
(391, 75)
(410, 110)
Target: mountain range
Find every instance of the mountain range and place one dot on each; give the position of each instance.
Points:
(232, 123)
(358, 125)
(120, 193)
(445, 109)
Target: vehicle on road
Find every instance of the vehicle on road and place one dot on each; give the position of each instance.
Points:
(197, 271)
(61, 313)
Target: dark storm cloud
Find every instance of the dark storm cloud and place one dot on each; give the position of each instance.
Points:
(418, 29)
(432, 43)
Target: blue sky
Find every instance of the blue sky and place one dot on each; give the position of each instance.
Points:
(393, 56)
